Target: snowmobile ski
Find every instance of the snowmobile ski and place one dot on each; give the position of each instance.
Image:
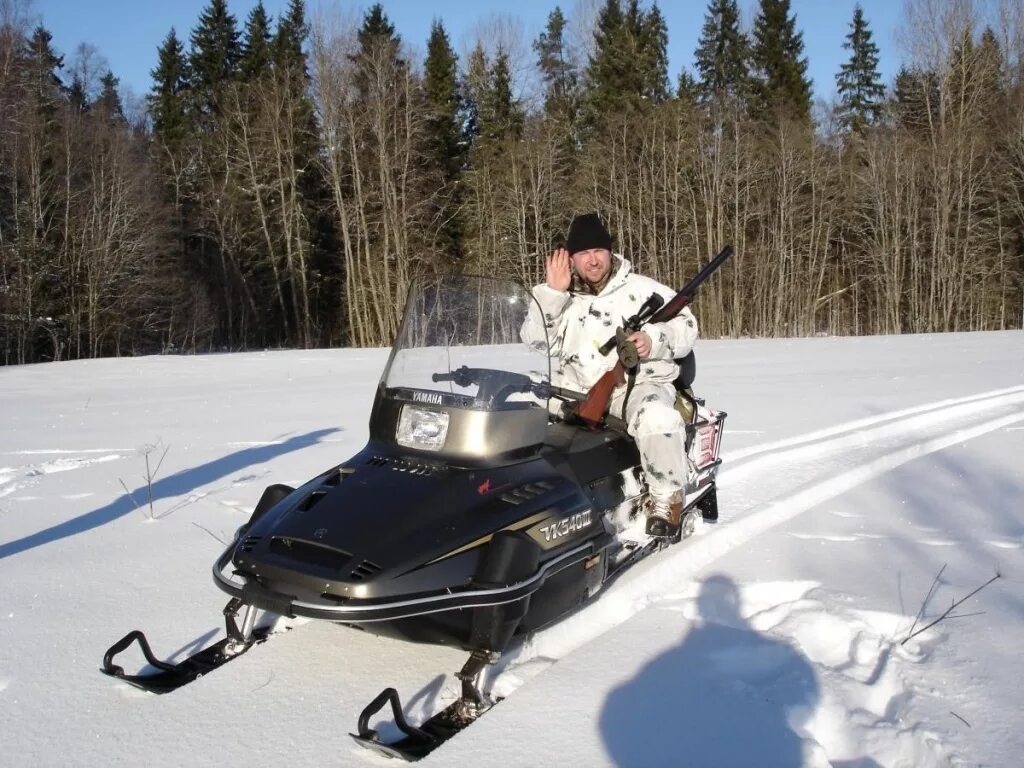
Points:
(419, 741)
(170, 677)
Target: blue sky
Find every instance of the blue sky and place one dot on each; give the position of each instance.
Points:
(128, 32)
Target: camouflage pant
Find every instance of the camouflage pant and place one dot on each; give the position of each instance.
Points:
(660, 434)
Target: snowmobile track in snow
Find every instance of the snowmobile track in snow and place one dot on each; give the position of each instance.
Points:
(889, 440)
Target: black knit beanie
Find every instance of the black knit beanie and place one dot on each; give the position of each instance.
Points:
(585, 232)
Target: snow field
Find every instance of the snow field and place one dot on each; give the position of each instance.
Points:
(854, 470)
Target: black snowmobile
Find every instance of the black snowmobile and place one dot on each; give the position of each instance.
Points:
(479, 510)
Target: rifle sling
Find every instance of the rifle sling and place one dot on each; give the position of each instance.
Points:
(630, 381)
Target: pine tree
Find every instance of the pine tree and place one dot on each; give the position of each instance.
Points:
(256, 53)
(858, 82)
(781, 85)
(167, 99)
(557, 71)
(722, 55)
(216, 51)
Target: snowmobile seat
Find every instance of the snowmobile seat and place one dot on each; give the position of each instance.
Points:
(687, 372)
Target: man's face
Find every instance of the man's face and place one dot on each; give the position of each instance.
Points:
(592, 265)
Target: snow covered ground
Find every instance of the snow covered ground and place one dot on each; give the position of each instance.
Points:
(855, 469)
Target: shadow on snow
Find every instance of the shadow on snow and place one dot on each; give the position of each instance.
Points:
(727, 695)
(177, 484)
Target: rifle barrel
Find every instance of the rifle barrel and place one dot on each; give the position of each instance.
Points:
(689, 291)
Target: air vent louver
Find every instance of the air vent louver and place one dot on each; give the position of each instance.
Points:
(307, 552)
(404, 465)
(365, 570)
(311, 501)
(526, 492)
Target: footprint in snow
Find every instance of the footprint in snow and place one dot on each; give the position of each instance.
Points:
(246, 479)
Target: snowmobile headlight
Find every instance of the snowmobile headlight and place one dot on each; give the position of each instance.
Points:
(422, 428)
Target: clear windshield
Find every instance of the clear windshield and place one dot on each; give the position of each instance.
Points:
(468, 342)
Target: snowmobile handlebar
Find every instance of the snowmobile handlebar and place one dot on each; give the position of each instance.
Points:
(496, 385)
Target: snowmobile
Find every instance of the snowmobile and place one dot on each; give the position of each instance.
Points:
(479, 510)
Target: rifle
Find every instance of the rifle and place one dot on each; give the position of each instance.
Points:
(592, 409)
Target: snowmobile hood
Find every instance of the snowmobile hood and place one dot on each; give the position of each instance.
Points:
(343, 538)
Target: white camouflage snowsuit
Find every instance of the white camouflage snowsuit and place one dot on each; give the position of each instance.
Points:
(578, 323)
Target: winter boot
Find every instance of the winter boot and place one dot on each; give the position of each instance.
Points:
(663, 515)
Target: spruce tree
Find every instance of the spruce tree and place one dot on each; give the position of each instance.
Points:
(781, 86)
(43, 66)
(722, 54)
(167, 99)
(628, 69)
(858, 82)
(216, 51)
(319, 239)
(441, 88)
(78, 100)
(989, 66)
(256, 54)
(556, 69)
(653, 53)
(376, 28)
(108, 103)
(687, 89)
(606, 74)
(916, 99)
(475, 84)
(292, 31)
(376, 37)
(444, 129)
(501, 116)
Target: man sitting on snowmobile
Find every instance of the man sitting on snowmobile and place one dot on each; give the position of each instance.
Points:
(589, 291)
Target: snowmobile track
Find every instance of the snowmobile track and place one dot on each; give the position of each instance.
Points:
(892, 439)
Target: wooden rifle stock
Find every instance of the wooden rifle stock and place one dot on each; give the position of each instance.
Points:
(591, 411)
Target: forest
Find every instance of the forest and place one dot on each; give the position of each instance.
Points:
(288, 177)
